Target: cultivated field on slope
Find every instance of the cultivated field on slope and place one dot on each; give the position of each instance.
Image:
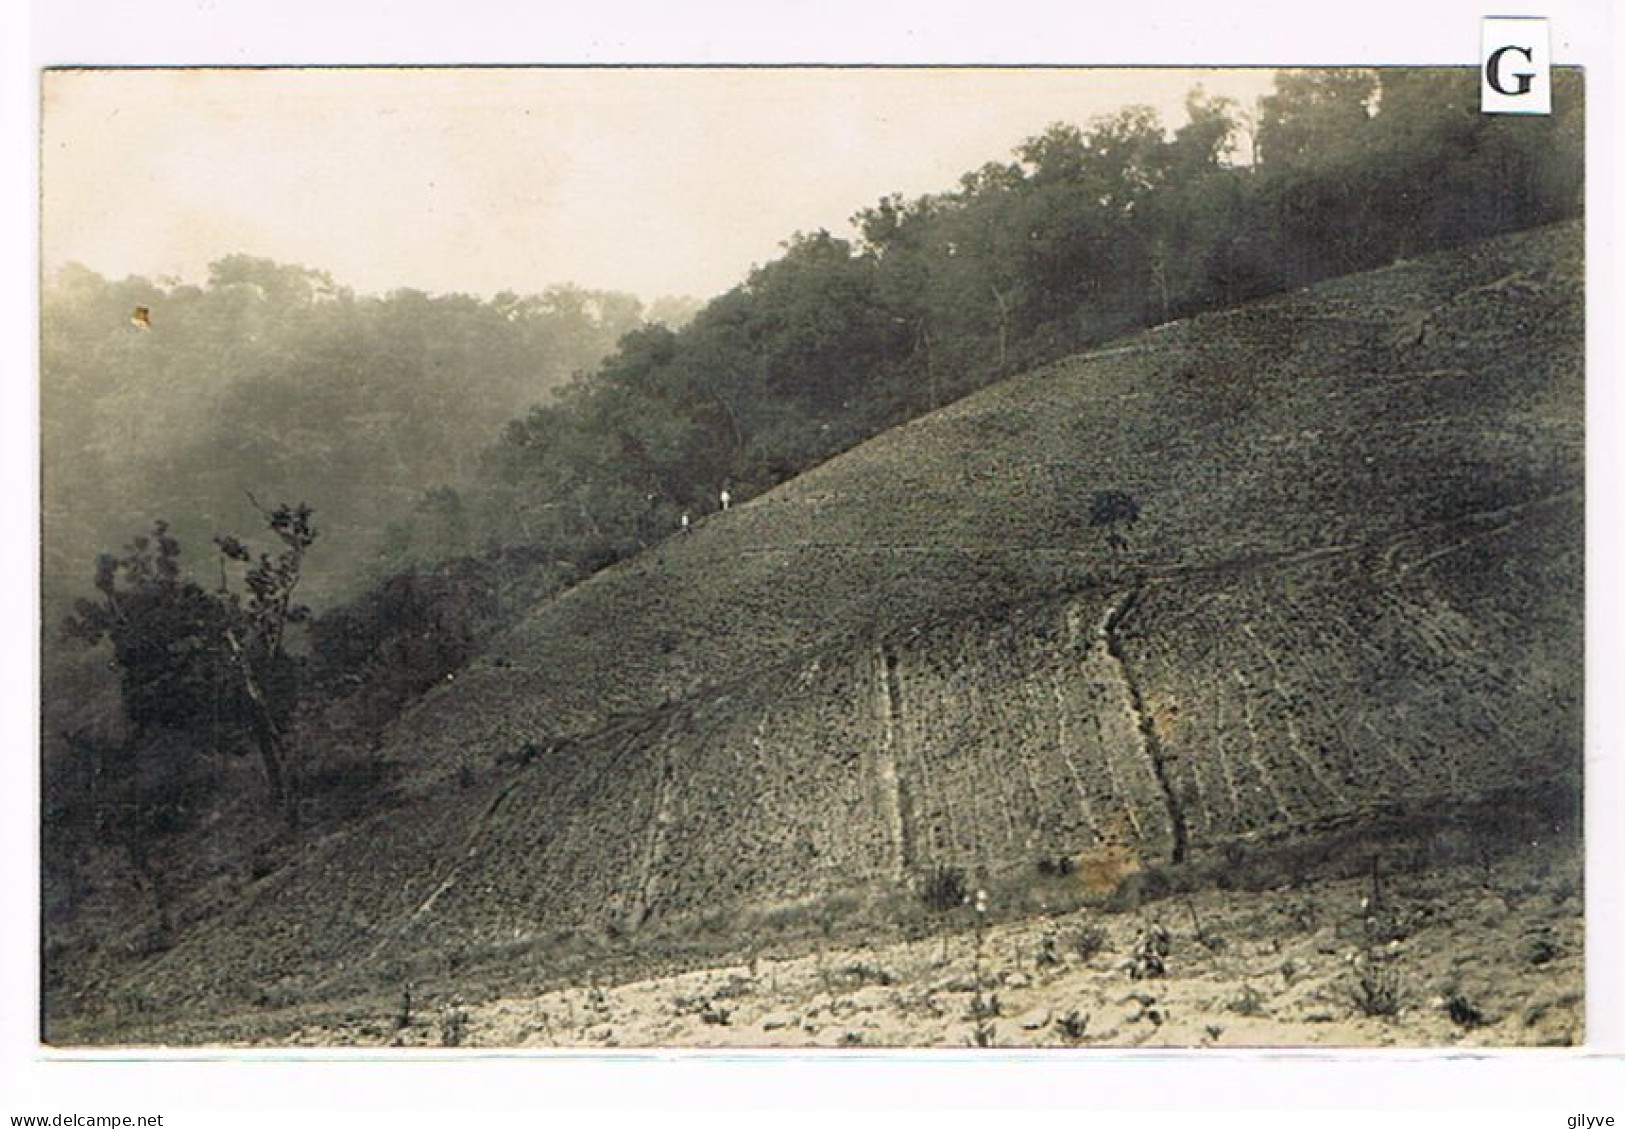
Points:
(1356, 414)
(1353, 588)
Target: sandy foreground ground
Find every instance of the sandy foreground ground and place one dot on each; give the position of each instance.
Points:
(1467, 956)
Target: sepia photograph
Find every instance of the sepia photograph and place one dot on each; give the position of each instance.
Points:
(811, 557)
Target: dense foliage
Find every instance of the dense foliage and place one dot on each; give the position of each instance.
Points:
(212, 667)
(204, 676)
(271, 378)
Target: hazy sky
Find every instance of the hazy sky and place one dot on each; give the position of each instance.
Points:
(651, 181)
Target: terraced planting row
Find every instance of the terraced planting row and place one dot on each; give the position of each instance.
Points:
(984, 747)
(1282, 699)
(1288, 699)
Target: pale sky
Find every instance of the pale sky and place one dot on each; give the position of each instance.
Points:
(649, 181)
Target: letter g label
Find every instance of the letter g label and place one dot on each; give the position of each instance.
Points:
(1516, 74)
(1497, 79)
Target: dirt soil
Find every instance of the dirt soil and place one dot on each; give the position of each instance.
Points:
(1475, 956)
(1355, 588)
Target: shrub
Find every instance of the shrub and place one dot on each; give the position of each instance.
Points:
(1073, 1026)
(1249, 1002)
(944, 889)
(1112, 508)
(984, 1006)
(1541, 950)
(1376, 991)
(735, 988)
(1048, 956)
(1462, 1012)
(403, 1014)
(1385, 924)
(1151, 953)
(453, 1026)
(1089, 941)
(858, 974)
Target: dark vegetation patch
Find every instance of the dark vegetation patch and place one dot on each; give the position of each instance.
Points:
(1433, 461)
(461, 966)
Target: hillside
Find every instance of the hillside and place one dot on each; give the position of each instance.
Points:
(1280, 967)
(1353, 590)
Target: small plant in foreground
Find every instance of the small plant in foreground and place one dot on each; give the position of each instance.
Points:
(1151, 953)
(944, 889)
(1089, 941)
(735, 988)
(1303, 918)
(984, 1007)
(1540, 950)
(1048, 956)
(1389, 923)
(1463, 1012)
(1073, 1026)
(403, 1017)
(1249, 1002)
(1376, 990)
(453, 1026)
(858, 974)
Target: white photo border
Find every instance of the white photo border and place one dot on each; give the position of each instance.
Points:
(45, 33)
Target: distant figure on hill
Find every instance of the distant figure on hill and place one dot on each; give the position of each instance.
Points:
(686, 525)
(726, 499)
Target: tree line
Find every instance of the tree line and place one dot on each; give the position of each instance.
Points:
(472, 457)
(1089, 232)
